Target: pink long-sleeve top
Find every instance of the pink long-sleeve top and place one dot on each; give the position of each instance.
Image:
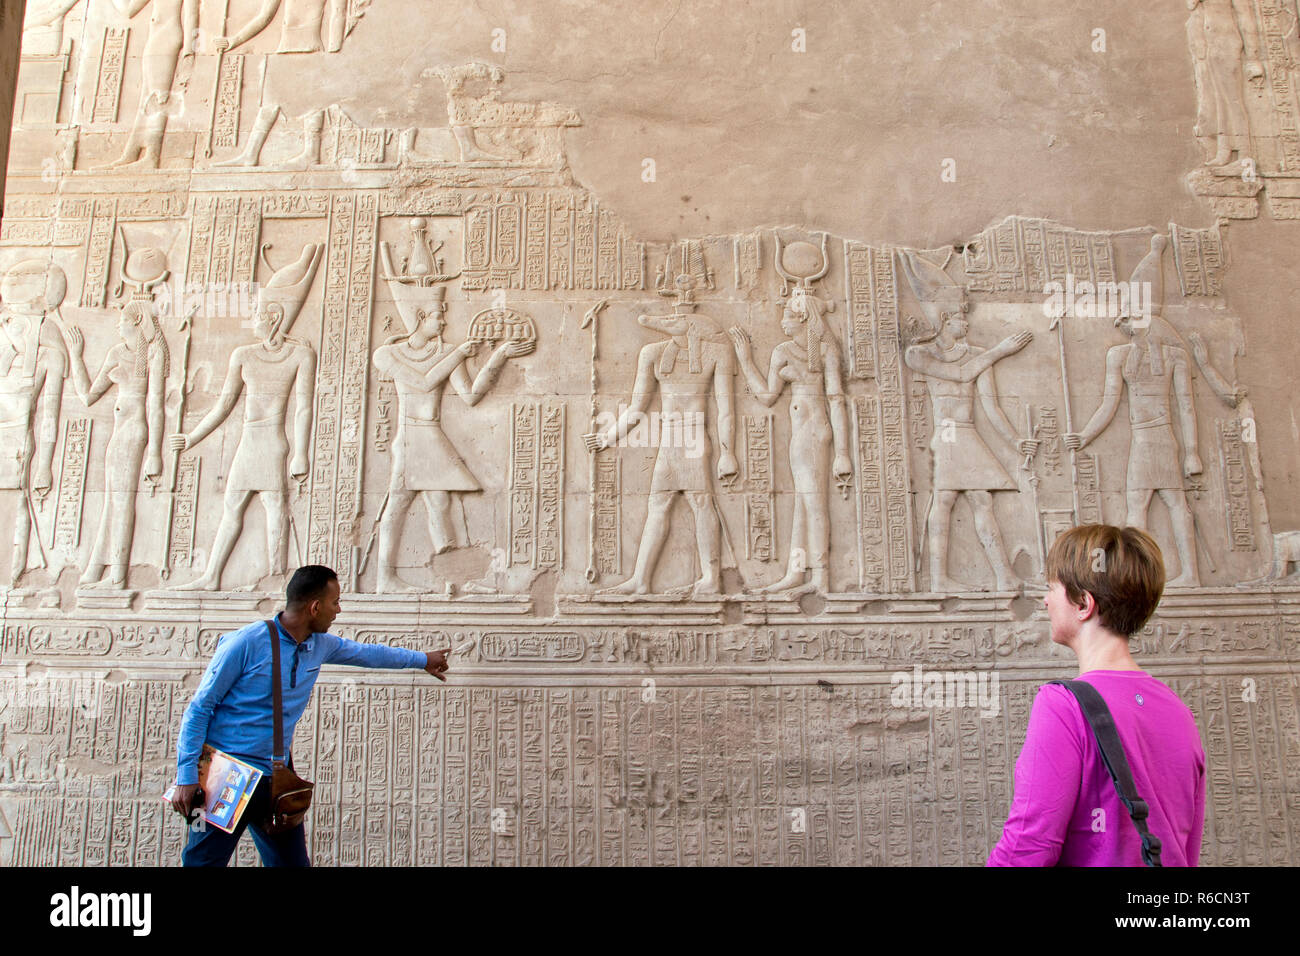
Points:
(1061, 782)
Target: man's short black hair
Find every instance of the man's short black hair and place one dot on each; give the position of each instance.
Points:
(308, 583)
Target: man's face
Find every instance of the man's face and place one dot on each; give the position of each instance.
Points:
(434, 322)
(956, 324)
(325, 608)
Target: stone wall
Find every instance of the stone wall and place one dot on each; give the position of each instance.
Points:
(742, 256)
(11, 30)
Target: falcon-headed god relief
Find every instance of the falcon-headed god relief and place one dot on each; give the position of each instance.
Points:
(1150, 366)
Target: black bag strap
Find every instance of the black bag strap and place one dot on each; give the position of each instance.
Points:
(1102, 723)
(277, 696)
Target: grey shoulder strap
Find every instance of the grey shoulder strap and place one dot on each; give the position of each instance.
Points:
(1102, 723)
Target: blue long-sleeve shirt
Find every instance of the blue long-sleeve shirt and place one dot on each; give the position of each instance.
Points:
(231, 710)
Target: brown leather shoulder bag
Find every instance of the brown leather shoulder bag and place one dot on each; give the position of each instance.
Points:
(290, 794)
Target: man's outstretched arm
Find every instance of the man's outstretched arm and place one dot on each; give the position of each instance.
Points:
(357, 654)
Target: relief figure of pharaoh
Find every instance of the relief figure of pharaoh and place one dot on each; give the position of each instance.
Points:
(139, 366)
(810, 363)
(274, 370)
(425, 463)
(955, 372)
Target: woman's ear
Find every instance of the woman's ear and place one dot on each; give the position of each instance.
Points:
(1087, 606)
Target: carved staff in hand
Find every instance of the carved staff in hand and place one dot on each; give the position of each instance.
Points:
(186, 324)
(591, 320)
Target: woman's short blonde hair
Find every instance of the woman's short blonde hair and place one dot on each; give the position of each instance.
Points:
(1121, 568)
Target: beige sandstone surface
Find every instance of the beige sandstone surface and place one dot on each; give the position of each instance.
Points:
(757, 224)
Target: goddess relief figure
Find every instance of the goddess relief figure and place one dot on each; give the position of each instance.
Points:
(138, 366)
(810, 363)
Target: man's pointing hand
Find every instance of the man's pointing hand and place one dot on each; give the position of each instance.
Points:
(436, 663)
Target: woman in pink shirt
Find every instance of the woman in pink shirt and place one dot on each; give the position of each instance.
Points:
(1104, 582)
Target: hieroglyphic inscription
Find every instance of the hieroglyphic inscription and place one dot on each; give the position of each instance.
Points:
(1278, 22)
(535, 242)
(893, 440)
(112, 62)
(862, 324)
(871, 529)
(507, 243)
(152, 205)
(1049, 433)
(608, 274)
(522, 530)
(225, 126)
(295, 205)
(72, 484)
(385, 407)
(608, 492)
(1236, 486)
(584, 243)
(99, 248)
(1089, 489)
(1198, 256)
(560, 248)
(533, 646)
(342, 382)
(202, 223)
(550, 488)
(918, 414)
(329, 381)
(455, 767)
(356, 378)
(1023, 255)
(747, 251)
(576, 775)
(760, 496)
(180, 547)
(248, 230)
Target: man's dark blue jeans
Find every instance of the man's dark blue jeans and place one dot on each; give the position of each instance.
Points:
(213, 847)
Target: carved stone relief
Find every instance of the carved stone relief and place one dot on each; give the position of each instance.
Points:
(874, 444)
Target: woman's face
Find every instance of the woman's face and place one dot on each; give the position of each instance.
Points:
(126, 327)
(791, 324)
(1063, 615)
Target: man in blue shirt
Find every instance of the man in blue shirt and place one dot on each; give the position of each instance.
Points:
(231, 710)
